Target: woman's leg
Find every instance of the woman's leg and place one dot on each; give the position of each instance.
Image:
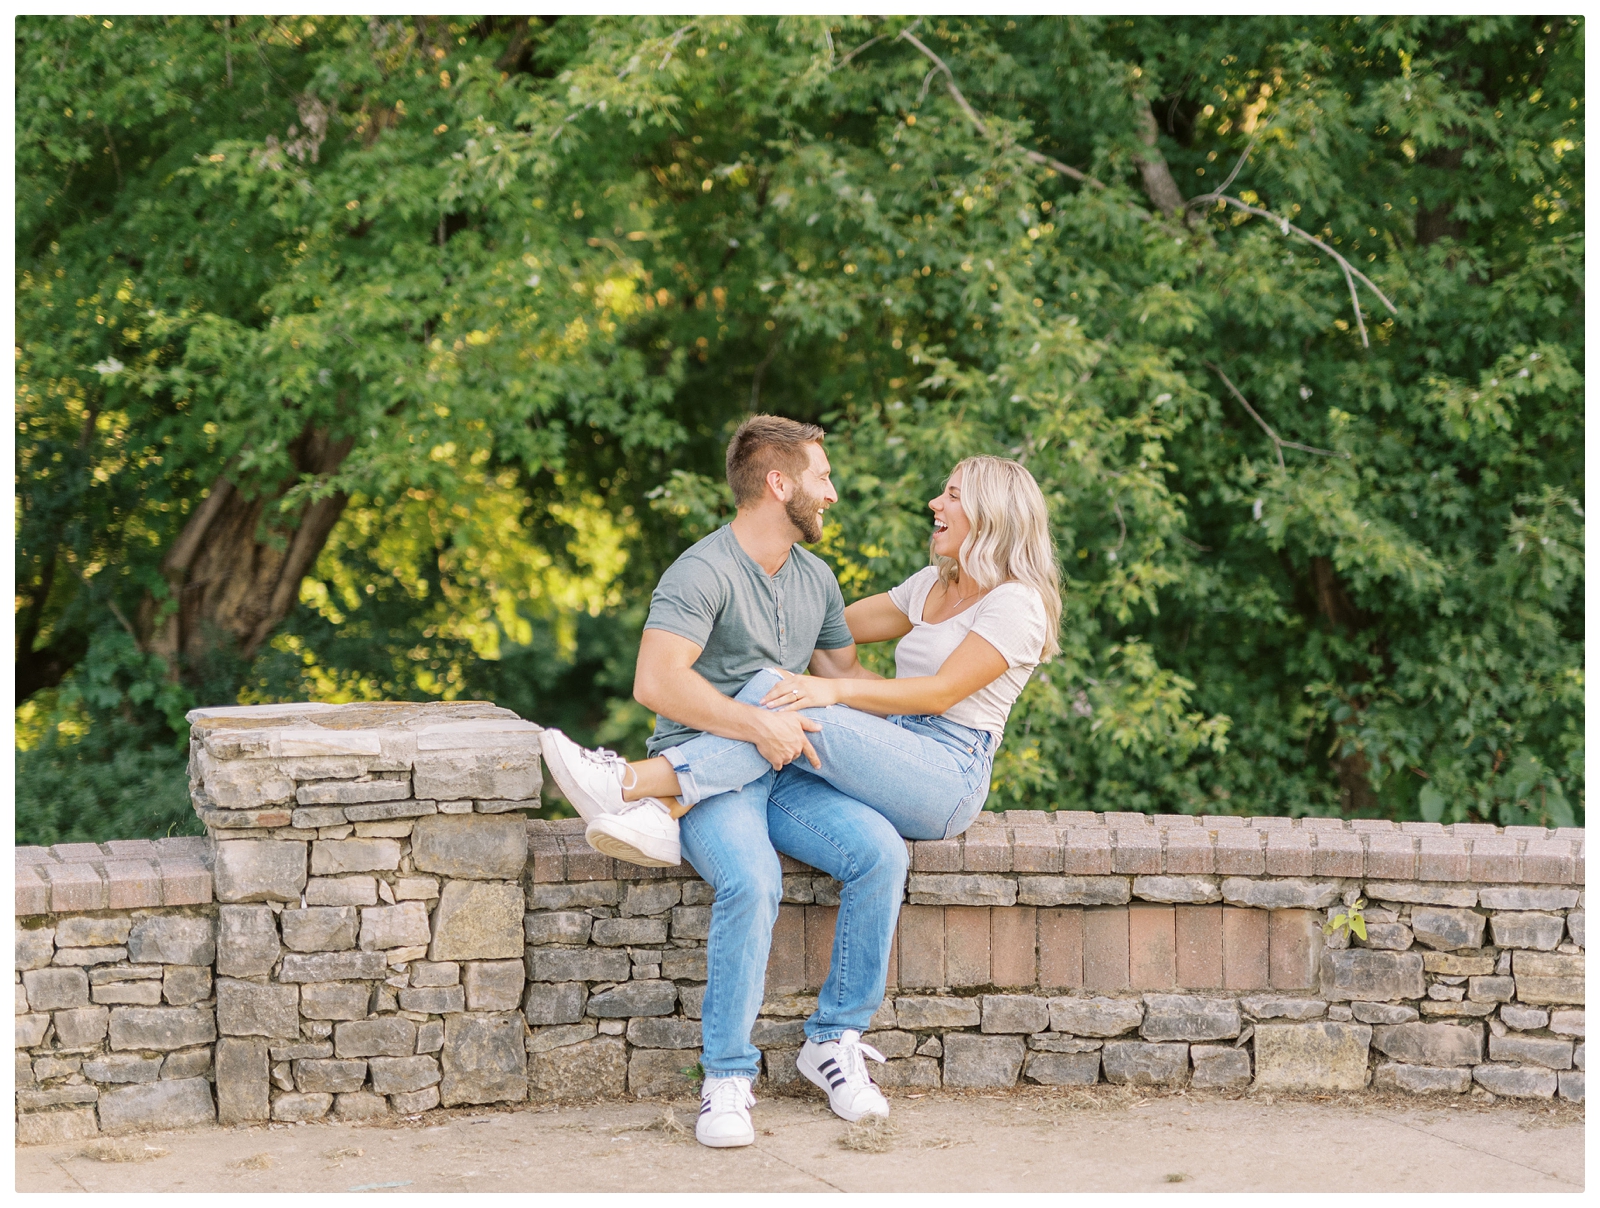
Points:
(917, 778)
(705, 765)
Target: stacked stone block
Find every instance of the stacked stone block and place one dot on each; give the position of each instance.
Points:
(368, 872)
(390, 933)
(115, 1022)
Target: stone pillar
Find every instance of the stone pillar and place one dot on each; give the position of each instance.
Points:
(370, 945)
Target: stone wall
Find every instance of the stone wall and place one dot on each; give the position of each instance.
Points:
(391, 933)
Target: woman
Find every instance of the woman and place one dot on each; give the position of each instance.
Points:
(917, 748)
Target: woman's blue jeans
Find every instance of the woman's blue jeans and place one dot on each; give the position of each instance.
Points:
(926, 775)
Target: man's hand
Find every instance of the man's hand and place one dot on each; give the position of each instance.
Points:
(781, 737)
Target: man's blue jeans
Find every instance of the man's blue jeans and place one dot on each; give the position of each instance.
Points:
(733, 840)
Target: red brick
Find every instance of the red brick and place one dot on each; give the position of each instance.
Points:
(920, 938)
(1294, 947)
(1036, 849)
(1027, 818)
(77, 853)
(892, 980)
(1119, 818)
(131, 883)
(1511, 832)
(1238, 852)
(1338, 854)
(1549, 863)
(1136, 850)
(1012, 949)
(820, 922)
(1087, 853)
(131, 849)
(1198, 938)
(966, 938)
(1391, 857)
(786, 960)
(1441, 858)
(184, 882)
(1105, 948)
(32, 891)
(1061, 947)
(1152, 957)
(1288, 854)
(1495, 858)
(986, 849)
(1189, 852)
(74, 886)
(1244, 948)
(936, 855)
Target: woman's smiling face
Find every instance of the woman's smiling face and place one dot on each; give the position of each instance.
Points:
(950, 523)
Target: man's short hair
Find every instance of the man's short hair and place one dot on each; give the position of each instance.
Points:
(764, 443)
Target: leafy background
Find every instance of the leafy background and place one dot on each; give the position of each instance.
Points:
(448, 320)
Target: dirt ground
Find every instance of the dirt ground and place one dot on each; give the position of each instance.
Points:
(1107, 1139)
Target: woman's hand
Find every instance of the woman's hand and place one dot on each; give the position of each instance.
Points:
(802, 692)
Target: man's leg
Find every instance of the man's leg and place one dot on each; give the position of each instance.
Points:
(814, 822)
(725, 839)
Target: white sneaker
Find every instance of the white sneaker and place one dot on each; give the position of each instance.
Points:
(644, 832)
(724, 1121)
(837, 1066)
(592, 780)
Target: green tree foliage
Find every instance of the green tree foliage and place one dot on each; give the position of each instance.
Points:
(394, 357)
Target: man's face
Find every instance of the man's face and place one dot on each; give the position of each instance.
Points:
(811, 496)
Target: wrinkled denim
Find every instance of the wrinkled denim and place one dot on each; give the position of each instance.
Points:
(733, 839)
(925, 774)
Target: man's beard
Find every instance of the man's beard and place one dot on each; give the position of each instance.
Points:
(802, 512)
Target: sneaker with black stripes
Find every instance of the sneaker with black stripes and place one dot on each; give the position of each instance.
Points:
(724, 1120)
(839, 1067)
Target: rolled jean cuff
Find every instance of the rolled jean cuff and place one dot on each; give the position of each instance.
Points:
(824, 1035)
(688, 791)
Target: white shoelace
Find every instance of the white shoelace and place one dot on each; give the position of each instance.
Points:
(610, 761)
(851, 1054)
(646, 803)
(728, 1094)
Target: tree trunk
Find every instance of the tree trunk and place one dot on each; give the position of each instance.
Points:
(1159, 185)
(1355, 789)
(236, 568)
(1435, 222)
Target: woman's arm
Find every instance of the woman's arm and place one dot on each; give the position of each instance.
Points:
(972, 665)
(876, 619)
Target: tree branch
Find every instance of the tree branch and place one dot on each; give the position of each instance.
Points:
(1278, 443)
(1159, 183)
(761, 369)
(1351, 273)
(972, 114)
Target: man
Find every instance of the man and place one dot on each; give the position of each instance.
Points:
(745, 599)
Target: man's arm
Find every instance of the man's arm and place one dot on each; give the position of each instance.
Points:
(843, 663)
(665, 682)
(874, 619)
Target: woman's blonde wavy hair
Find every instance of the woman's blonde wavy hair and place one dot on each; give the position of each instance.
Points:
(1010, 538)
